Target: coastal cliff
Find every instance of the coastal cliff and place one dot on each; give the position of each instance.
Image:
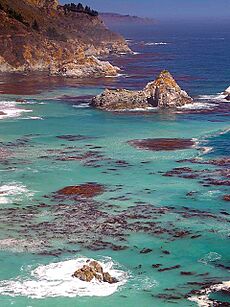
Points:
(41, 35)
(163, 92)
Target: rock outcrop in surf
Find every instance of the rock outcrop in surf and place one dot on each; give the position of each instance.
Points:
(92, 270)
(164, 92)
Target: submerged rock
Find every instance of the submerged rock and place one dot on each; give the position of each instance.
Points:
(94, 270)
(164, 92)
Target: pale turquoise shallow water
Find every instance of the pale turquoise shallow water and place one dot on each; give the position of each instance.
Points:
(31, 172)
(111, 132)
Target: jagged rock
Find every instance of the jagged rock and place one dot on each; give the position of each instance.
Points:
(96, 266)
(227, 97)
(93, 270)
(227, 91)
(91, 67)
(120, 99)
(2, 113)
(108, 278)
(86, 273)
(164, 92)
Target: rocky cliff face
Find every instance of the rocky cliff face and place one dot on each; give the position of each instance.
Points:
(41, 35)
(164, 92)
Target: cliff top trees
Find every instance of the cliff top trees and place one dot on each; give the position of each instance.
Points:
(79, 8)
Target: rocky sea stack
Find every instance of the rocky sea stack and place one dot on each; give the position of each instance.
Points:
(164, 92)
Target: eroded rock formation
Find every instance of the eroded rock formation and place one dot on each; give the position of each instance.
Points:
(164, 92)
(93, 270)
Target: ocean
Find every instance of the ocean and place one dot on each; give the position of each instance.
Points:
(160, 223)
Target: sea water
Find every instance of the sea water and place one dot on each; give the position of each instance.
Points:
(37, 260)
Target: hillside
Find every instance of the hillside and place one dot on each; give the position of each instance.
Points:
(42, 35)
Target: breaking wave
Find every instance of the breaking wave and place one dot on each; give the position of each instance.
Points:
(13, 192)
(55, 280)
(156, 43)
(198, 106)
(11, 109)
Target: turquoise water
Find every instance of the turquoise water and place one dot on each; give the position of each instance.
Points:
(183, 221)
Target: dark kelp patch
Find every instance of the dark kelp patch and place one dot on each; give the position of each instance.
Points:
(73, 138)
(161, 144)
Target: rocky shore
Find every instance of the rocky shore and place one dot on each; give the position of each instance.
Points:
(41, 35)
(164, 92)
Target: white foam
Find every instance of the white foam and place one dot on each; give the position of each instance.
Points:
(13, 192)
(210, 257)
(21, 245)
(55, 280)
(33, 117)
(11, 109)
(136, 109)
(197, 106)
(156, 43)
(81, 106)
(219, 97)
(203, 300)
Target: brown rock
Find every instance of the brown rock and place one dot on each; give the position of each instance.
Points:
(164, 92)
(108, 278)
(84, 274)
(2, 113)
(93, 270)
(226, 197)
(96, 266)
